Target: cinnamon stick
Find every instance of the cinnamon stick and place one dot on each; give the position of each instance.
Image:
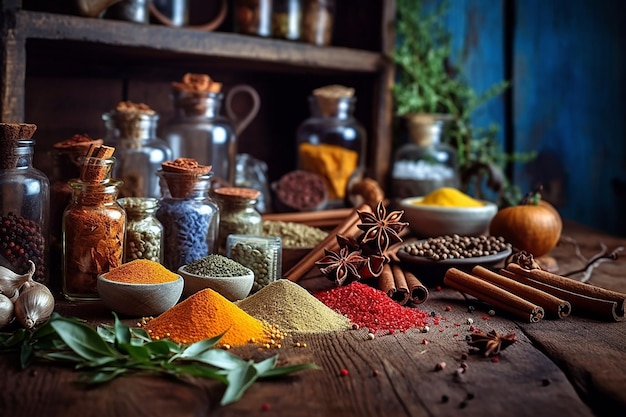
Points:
(494, 295)
(348, 227)
(417, 291)
(555, 306)
(96, 167)
(599, 308)
(402, 294)
(321, 218)
(387, 284)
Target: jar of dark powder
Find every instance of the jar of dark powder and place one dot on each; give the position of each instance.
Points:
(262, 254)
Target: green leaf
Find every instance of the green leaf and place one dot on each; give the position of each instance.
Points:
(137, 352)
(82, 339)
(239, 380)
(161, 348)
(12, 340)
(265, 365)
(122, 332)
(285, 370)
(100, 377)
(200, 347)
(26, 355)
(70, 356)
(218, 358)
(106, 332)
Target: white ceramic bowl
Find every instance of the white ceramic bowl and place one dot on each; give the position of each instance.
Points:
(139, 300)
(232, 288)
(430, 221)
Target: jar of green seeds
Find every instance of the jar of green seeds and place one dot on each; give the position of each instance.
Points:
(262, 254)
(144, 233)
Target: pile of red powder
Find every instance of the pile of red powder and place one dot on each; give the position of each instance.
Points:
(372, 308)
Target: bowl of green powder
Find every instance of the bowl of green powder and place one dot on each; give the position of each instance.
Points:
(223, 275)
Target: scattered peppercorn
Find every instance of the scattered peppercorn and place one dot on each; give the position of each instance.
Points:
(492, 312)
(343, 372)
(448, 308)
(545, 382)
(265, 407)
(445, 398)
(440, 366)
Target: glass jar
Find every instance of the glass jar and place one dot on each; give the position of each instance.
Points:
(237, 213)
(199, 131)
(287, 19)
(144, 233)
(425, 163)
(317, 21)
(253, 17)
(139, 152)
(262, 254)
(332, 143)
(24, 210)
(67, 159)
(189, 216)
(252, 173)
(94, 225)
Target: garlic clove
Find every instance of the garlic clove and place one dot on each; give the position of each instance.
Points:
(6, 310)
(11, 282)
(34, 305)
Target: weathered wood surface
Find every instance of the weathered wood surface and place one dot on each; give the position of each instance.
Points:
(572, 367)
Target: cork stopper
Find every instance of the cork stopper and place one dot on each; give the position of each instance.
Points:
(98, 163)
(197, 82)
(329, 96)
(192, 92)
(76, 147)
(182, 174)
(10, 135)
(128, 117)
(240, 193)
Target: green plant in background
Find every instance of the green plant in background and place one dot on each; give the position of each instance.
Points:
(427, 81)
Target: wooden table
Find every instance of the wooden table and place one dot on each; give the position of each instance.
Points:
(570, 367)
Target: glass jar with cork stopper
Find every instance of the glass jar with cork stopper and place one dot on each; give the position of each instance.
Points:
(198, 130)
(24, 203)
(67, 159)
(189, 216)
(131, 130)
(94, 225)
(332, 143)
(144, 232)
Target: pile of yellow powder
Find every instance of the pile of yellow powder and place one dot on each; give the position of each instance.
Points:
(207, 314)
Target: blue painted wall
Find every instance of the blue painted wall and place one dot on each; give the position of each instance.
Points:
(567, 64)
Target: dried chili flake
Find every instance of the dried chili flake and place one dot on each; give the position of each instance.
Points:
(372, 308)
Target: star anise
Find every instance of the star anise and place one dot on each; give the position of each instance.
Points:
(381, 229)
(343, 266)
(490, 344)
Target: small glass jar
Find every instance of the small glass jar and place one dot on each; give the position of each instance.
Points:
(262, 254)
(144, 233)
(94, 225)
(237, 213)
(139, 152)
(287, 19)
(317, 21)
(332, 143)
(425, 163)
(253, 17)
(24, 210)
(189, 217)
(199, 131)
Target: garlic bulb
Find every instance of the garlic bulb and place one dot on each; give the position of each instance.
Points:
(10, 282)
(34, 305)
(6, 310)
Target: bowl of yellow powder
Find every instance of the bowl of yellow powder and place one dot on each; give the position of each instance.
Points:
(140, 288)
(447, 211)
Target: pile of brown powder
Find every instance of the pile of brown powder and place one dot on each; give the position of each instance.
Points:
(293, 309)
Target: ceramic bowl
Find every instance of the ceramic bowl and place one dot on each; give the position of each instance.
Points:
(430, 221)
(139, 300)
(232, 288)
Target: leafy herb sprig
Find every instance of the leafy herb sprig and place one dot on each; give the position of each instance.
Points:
(111, 351)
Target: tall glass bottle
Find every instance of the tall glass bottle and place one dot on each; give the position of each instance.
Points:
(24, 208)
(332, 143)
(425, 163)
(94, 225)
(189, 217)
(131, 130)
(199, 131)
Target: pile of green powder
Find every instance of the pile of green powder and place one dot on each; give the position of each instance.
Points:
(293, 309)
(294, 235)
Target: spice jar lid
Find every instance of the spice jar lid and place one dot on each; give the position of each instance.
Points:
(237, 192)
(10, 135)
